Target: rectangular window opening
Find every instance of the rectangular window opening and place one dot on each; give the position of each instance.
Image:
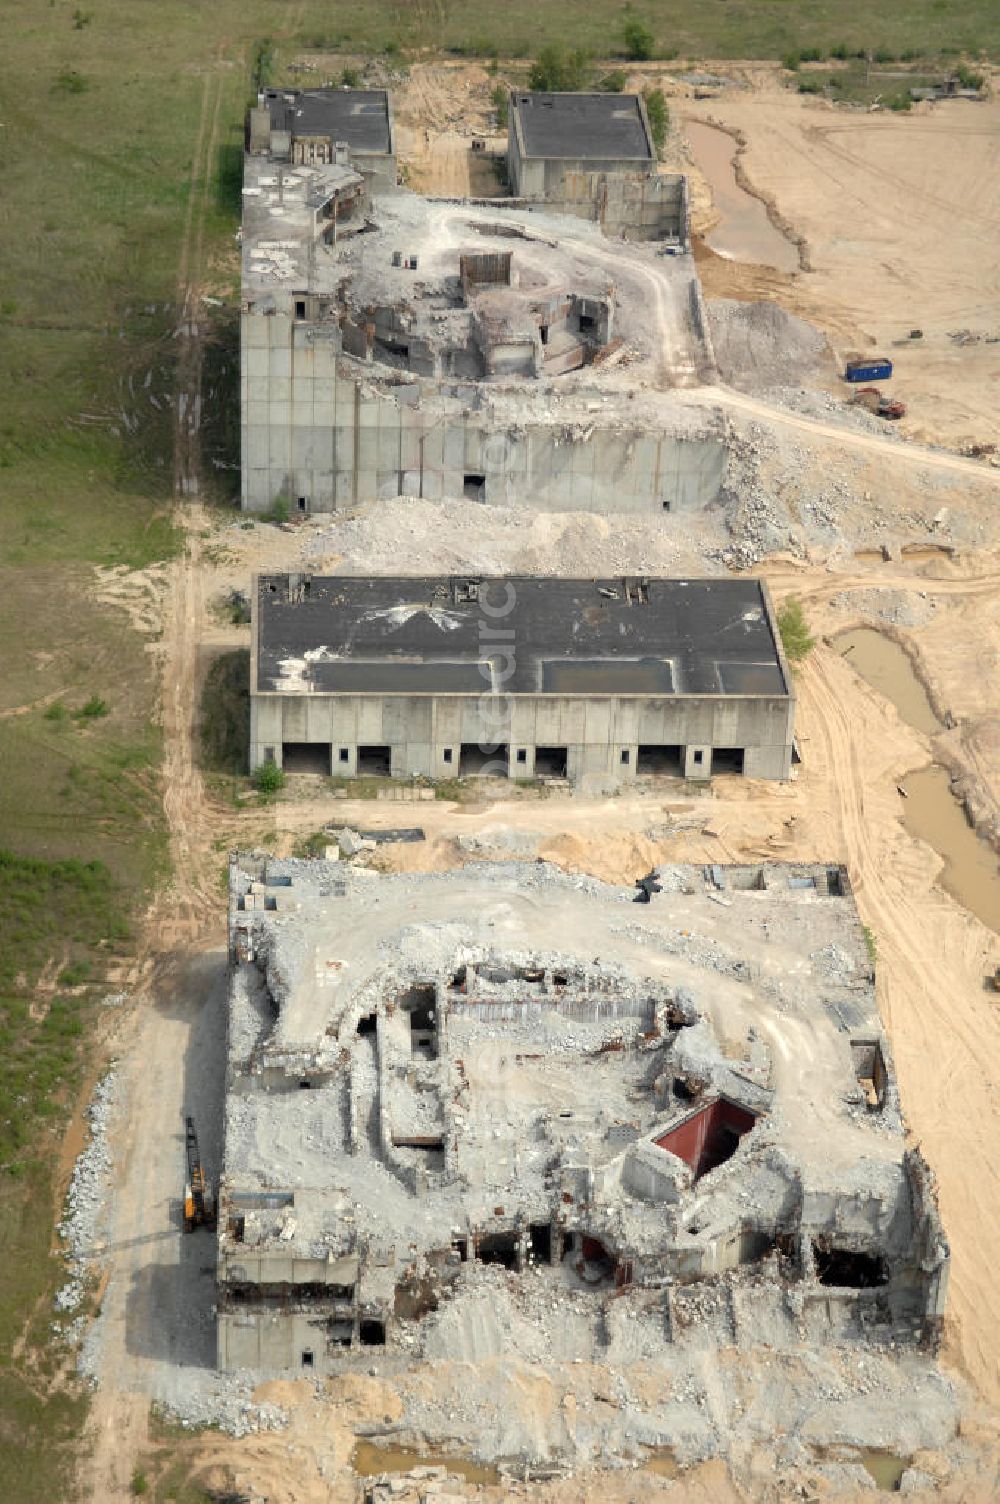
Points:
(540, 1241)
(420, 1003)
(303, 503)
(848, 1269)
(344, 754)
(484, 761)
(311, 758)
(372, 1333)
(448, 752)
(727, 760)
(626, 754)
(367, 1025)
(374, 762)
(300, 308)
(472, 487)
(659, 761)
(307, 1358)
(522, 754)
(498, 1248)
(550, 762)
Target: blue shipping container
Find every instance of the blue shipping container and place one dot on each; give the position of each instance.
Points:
(877, 369)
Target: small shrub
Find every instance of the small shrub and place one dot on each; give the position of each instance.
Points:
(69, 81)
(796, 639)
(811, 55)
(555, 71)
(278, 512)
(657, 114)
(500, 100)
(871, 943)
(638, 39)
(811, 85)
(791, 61)
(614, 82)
(882, 55)
(75, 974)
(968, 78)
(56, 712)
(268, 779)
(900, 102)
(140, 1483)
(351, 78)
(81, 18)
(94, 709)
(841, 52)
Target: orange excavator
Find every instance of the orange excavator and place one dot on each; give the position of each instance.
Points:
(199, 1203)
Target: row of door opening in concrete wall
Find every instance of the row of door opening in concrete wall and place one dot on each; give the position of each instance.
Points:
(470, 760)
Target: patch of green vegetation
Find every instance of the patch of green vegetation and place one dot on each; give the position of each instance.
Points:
(638, 38)
(657, 115)
(94, 709)
(351, 78)
(312, 846)
(56, 712)
(70, 81)
(796, 639)
(500, 100)
(139, 1484)
(225, 714)
(268, 779)
(871, 943)
(557, 70)
(613, 82)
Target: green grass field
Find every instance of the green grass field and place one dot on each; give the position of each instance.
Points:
(120, 135)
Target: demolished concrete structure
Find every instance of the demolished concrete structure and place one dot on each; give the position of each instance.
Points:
(506, 1065)
(520, 677)
(461, 350)
(593, 155)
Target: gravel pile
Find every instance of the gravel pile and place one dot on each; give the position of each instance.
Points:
(83, 1224)
(898, 608)
(759, 345)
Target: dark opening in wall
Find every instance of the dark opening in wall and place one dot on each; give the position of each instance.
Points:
(307, 1358)
(544, 332)
(420, 1003)
(540, 1241)
(306, 757)
(374, 762)
(372, 1333)
(550, 762)
(659, 760)
(458, 981)
(477, 762)
(836, 882)
(367, 1024)
(587, 323)
(339, 1334)
(300, 308)
(625, 756)
(522, 754)
(727, 760)
(709, 1137)
(870, 1070)
(848, 1269)
(461, 1247)
(303, 503)
(449, 752)
(344, 755)
(472, 487)
(498, 1248)
(755, 1245)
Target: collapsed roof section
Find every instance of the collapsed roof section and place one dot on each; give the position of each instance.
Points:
(507, 1065)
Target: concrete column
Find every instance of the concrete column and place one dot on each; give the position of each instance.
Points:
(697, 762)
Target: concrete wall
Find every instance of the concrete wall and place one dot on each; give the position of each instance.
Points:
(313, 428)
(595, 731)
(626, 197)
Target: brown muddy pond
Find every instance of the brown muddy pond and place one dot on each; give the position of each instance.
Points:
(369, 1460)
(885, 1468)
(971, 871)
(744, 232)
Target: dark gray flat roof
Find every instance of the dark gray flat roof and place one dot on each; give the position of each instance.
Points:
(525, 634)
(358, 116)
(579, 126)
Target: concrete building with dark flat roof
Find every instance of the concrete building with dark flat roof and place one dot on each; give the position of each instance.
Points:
(518, 677)
(593, 155)
(306, 126)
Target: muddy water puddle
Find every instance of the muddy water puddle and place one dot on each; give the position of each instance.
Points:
(744, 232)
(885, 1468)
(886, 667)
(930, 812)
(370, 1460)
